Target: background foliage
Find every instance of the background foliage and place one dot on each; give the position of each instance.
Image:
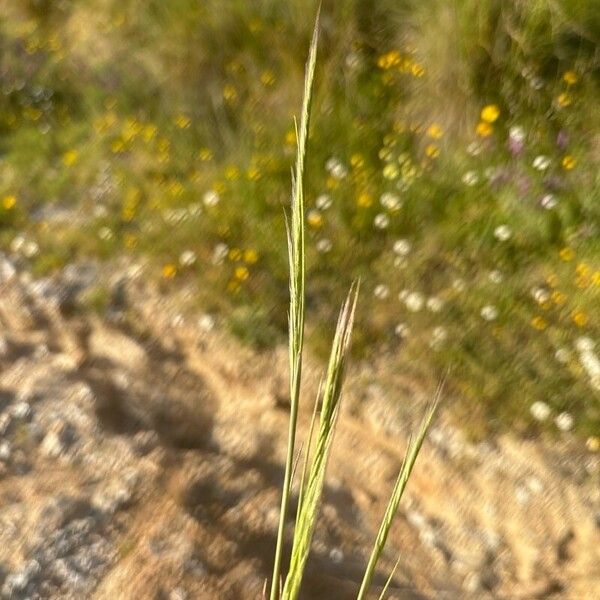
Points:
(453, 166)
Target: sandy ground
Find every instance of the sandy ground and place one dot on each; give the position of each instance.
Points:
(141, 457)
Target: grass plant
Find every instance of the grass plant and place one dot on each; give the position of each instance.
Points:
(328, 400)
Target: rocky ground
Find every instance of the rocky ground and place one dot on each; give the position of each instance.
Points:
(141, 457)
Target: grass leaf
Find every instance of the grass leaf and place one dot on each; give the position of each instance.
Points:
(414, 446)
(296, 312)
(311, 492)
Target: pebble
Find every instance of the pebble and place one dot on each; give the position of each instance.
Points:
(336, 556)
(58, 439)
(5, 451)
(21, 410)
(112, 500)
(7, 270)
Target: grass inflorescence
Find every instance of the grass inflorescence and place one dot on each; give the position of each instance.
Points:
(328, 401)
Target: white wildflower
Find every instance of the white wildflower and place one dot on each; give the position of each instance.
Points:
(402, 330)
(206, 322)
(187, 258)
(402, 247)
(541, 162)
(390, 201)
(496, 276)
(459, 285)
(435, 304)
(540, 410)
(439, 336)
(584, 344)
(323, 202)
(219, 253)
(30, 248)
(470, 178)
(562, 355)
(195, 209)
(336, 168)
(474, 148)
(324, 245)
(540, 295)
(381, 221)
(564, 421)
(17, 244)
(414, 301)
(502, 233)
(105, 233)
(211, 198)
(381, 291)
(489, 312)
(517, 133)
(549, 201)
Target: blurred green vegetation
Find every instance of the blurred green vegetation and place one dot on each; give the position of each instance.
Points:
(453, 166)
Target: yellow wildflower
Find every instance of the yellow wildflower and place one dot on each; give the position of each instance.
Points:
(490, 113)
(290, 137)
(484, 129)
(357, 161)
(434, 131)
(229, 93)
(390, 171)
(417, 70)
(33, 113)
(389, 60)
(130, 241)
(579, 318)
(250, 256)
(539, 323)
(564, 100)
(267, 77)
(70, 157)
(117, 147)
(332, 183)
(232, 173)
(364, 200)
(582, 269)
(253, 174)
(399, 126)
(567, 254)
(255, 25)
(558, 298)
(235, 254)
(385, 154)
(8, 202)
(315, 219)
(183, 121)
(241, 273)
(205, 154)
(593, 443)
(233, 286)
(432, 151)
(569, 162)
(390, 140)
(570, 77)
(128, 213)
(219, 187)
(149, 132)
(169, 271)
